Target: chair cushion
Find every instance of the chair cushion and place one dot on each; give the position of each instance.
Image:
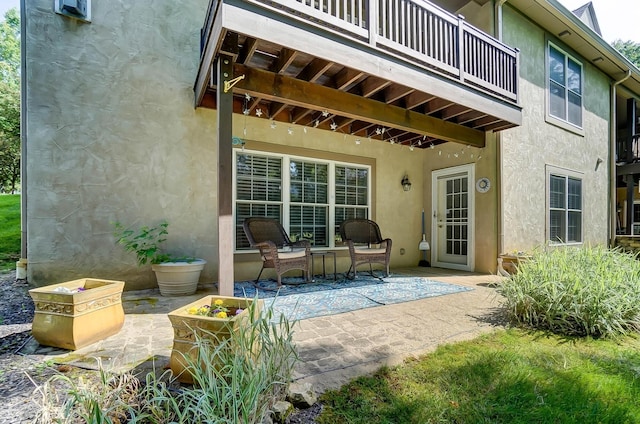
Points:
(369, 250)
(291, 254)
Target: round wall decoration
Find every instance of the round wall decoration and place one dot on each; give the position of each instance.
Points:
(483, 185)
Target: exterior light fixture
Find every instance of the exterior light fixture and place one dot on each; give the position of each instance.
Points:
(406, 184)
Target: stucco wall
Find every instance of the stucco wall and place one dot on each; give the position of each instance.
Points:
(528, 149)
(112, 135)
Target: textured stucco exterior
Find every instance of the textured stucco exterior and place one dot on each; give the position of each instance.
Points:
(113, 136)
(526, 151)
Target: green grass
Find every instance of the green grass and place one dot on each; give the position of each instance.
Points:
(506, 377)
(9, 231)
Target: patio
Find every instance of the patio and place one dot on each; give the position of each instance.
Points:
(333, 349)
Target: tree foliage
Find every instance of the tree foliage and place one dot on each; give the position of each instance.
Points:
(630, 49)
(10, 101)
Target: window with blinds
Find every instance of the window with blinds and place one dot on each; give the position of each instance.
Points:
(565, 209)
(311, 199)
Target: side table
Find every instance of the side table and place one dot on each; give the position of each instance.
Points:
(324, 255)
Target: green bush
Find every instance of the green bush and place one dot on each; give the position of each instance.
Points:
(590, 291)
(235, 388)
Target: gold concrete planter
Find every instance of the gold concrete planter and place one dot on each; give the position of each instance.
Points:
(69, 318)
(186, 326)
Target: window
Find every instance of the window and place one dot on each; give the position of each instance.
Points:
(565, 209)
(565, 87)
(310, 197)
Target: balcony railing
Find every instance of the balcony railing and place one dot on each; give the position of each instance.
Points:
(628, 149)
(414, 29)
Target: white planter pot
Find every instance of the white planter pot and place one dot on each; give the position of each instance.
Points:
(178, 278)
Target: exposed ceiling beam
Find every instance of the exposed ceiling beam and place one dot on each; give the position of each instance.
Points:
(283, 89)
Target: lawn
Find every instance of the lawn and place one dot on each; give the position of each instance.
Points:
(9, 231)
(507, 377)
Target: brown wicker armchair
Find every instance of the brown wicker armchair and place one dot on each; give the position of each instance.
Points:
(366, 245)
(276, 249)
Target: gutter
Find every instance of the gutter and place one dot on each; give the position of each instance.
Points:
(497, 21)
(613, 212)
(21, 265)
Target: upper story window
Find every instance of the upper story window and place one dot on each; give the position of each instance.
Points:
(309, 197)
(565, 207)
(565, 87)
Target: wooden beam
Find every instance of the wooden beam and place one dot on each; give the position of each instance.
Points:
(226, 230)
(280, 88)
(395, 92)
(344, 79)
(416, 99)
(285, 58)
(248, 50)
(314, 70)
(372, 85)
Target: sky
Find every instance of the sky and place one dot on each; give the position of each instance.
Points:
(618, 19)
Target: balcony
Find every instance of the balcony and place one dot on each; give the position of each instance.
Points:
(407, 66)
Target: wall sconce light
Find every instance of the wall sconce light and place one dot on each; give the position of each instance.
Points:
(406, 184)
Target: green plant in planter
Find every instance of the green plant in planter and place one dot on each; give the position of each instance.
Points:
(145, 243)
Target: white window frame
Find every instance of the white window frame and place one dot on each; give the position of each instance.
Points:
(286, 202)
(564, 122)
(561, 172)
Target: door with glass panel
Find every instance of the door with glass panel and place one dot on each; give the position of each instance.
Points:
(453, 217)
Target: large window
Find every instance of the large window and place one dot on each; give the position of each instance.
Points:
(565, 208)
(565, 87)
(310, 197)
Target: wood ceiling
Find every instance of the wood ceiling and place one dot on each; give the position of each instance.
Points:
(295, 87)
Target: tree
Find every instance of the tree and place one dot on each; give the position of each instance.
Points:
(10, 101)
(629, 49)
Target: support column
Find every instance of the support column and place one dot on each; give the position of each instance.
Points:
(224, 72)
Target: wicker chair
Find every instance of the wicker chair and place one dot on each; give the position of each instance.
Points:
(366, 245)
(276, 249)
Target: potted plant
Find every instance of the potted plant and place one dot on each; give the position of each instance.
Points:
(213, 318)
(176, 275)
(77, 313)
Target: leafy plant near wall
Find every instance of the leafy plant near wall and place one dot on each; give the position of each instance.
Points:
(145, 242)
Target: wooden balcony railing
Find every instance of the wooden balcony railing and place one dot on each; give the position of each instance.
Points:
(417, 30)
(628, 149)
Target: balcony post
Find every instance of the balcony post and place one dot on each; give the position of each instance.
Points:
(460, 52)
(373, 21)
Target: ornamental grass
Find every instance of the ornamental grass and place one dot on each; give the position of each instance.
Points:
(589, 291)
(246, 374)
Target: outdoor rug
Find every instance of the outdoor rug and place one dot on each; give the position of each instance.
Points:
(299, 300)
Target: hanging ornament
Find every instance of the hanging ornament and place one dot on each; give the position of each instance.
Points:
(333, 126)
(273, 125)
(290, 130)
(258, 112)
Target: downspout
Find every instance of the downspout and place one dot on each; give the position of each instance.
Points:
(613, 210)
(497, 21)
(21, 265)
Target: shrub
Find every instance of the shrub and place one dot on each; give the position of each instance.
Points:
(236, 387)
(590, 291)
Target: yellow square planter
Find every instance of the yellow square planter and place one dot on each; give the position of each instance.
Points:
(77, 313)
(186, 326)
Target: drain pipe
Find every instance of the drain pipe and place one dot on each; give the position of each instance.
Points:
(21, 265)
(613, 131)
(499, 145)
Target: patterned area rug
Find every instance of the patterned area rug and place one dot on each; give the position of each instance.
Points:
(299, 300)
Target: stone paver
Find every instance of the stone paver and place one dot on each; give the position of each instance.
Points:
(333, 349)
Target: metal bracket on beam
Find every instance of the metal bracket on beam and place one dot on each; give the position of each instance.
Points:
(228, 85)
